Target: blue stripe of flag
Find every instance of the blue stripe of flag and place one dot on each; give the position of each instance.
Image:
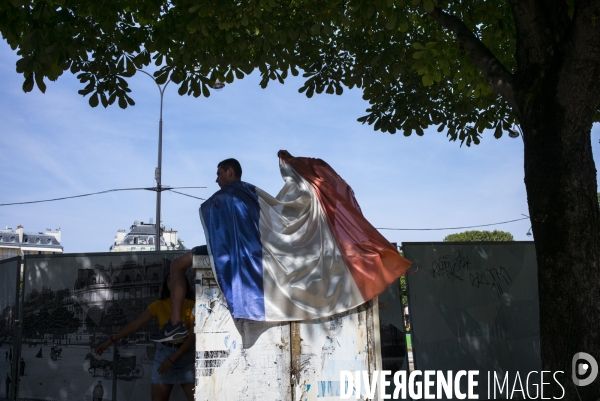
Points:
(231, 217)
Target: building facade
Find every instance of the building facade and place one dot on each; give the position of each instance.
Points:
(19, 242)
(142, 237)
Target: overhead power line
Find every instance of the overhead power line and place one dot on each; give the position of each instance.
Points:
(101, 192)
(172, 189)
(451, 228)
(181, 193)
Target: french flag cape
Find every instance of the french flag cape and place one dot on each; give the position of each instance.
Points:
(304, 254)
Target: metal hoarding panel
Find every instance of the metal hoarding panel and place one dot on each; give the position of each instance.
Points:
(73, 302)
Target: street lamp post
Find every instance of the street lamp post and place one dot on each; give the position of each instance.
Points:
(157, 172)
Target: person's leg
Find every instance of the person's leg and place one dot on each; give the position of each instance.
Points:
(161, 392)
(178, 284)
(188, 389)
(175, 329)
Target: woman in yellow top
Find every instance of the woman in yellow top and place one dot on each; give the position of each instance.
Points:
(173, 362)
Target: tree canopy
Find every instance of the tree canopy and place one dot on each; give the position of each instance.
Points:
(383, 47)
(475, 235)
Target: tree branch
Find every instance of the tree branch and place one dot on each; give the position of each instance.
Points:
(498, 77)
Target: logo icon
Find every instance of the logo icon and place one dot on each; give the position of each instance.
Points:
(581, 369)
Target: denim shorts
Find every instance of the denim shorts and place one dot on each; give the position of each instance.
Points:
(181, 372)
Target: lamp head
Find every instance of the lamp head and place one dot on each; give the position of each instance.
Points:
(218, 85)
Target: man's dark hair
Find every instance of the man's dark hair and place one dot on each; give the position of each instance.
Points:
(234, 164)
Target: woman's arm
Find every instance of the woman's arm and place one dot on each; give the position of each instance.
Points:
(187, 344)
(131, 328)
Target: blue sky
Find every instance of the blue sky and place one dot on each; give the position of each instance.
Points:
(56, 145)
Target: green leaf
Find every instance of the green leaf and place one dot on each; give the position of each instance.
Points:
(391, 23)
(162, 77)
(315, 29)
(229, 77)
(28, 84)
(498, 131)
(22, 64)
(183, 88)
(195, 8)
(103, 99)
(418, 46)
(93, 100)
(191, 27)
(39, 80)
(428, 6)
(419, 54)
(122, 102)
(205, 91)
(427, 80)
(129, 100)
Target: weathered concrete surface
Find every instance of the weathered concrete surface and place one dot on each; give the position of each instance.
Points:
(299, 361)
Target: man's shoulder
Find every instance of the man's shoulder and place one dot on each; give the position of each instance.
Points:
(238, 185)
(236, 189)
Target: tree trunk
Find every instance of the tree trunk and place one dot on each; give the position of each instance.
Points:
(556, 113)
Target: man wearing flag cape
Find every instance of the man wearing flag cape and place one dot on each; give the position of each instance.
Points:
(305, 254)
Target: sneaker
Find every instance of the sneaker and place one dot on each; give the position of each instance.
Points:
(170, 332)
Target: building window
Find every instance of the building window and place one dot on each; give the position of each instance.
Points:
(138, 277)
(151, 249)
(138, 292)
(133, 248)
(117, 280)
(155, 276)
(143, 248)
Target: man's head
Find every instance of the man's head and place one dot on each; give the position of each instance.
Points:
(228, 170)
